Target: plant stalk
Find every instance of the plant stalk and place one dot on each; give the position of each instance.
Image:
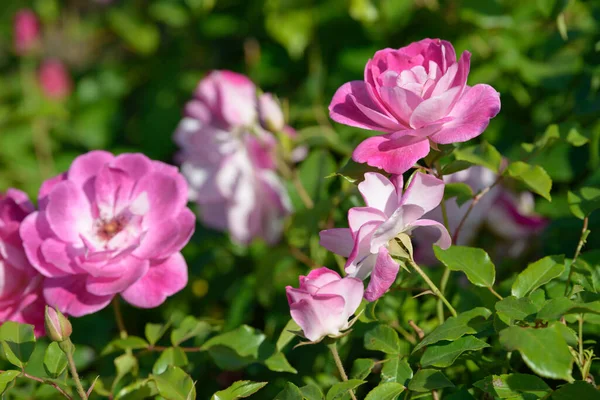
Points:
(340, 366)
(433, 287)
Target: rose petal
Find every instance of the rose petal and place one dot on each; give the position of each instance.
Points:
(383, 275)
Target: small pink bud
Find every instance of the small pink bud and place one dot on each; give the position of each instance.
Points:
(58, 327)
(55, 80)
(271, 116)
(26, 31)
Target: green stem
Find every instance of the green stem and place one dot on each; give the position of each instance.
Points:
(432, 286)
(491, 289)
(582, 237)
(581, 355)
(340, 366)
(446, 274)
(119, 318)
(69, 353)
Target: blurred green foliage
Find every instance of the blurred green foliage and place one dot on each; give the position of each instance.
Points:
(135, 63)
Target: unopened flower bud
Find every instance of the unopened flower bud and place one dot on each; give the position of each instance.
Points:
(55, 80)
(58, 327)
(269, 111)
(26, 31)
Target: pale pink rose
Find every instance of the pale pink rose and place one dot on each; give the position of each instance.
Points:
(21, 297)
(110, 225)
(270, 113)
(55, 80)
(26, 31)
(510, 216)
(415, 94)
(388, 213)
(228, 159)
(324, 303)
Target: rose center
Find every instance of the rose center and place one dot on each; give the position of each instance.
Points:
(108, 229)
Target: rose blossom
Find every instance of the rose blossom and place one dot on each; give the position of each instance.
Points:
(110, 225)
(388, 213)
(417, 94)
(55, 80)
(227, 155)
(26, 31)
(324, 302)
(20, 284)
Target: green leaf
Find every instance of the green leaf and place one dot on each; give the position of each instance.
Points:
(354, 172)
(189, 328)
(474, 262)
(55, 360)
(553, 309)
(396, 370)
(175, 384)
(483, 154)
(289, 392)
(534, 345)
(278, 363)
(426, 380)
(172, 356)
(578, 390)
(125, 364)
(239, 390)
(584, 201)
(311, 392)
(245, 340)
(339, 390)
(538, 274)
(128, 343)
(511, 308)
(142, 37)
(18, 342)
(514, 386)
(6, 378)
(138, 390)
(534, 176)
(461, 394)
(455, 166)
(461, 191)
(386, 391)
(443, 355)
(383, 338)
(292, 29)
(286, 335)
(455, 327)
(154, 332)
(565, 132)
(361, 368)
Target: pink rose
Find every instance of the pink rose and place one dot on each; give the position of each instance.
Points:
(388, 213)
(110, 225)
(228, 158)
(417, 94)
(26, 31)
(55, 80)
(20, 284)
(324, 302)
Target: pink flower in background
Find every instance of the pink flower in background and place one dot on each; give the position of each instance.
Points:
(26, 31)
(55, 80)
(324, 302)
(110, 225)
(228, 158)
(417, 94)
(21, 297)
(388, 213)
(509, 215)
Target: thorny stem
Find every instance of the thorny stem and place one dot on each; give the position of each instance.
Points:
(582, 237)
(82, 393)
(340, 367)
(433, 287)
(47, 382)
(474, 202)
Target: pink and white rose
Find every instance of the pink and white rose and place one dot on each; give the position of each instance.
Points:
(388, 213)
(417, 95)
(228, 157)
(324, 302)
(21, 297)
(110, 225)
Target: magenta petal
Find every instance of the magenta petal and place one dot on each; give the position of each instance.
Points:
(60, 255)
(47, 187)
(132, 270)
(135, 165)
(344, 109)
(167, 195)
(88, 165)
(68, 212)
(395, 161)
(337, 240)
(472, 114)
(163, 279)
(383, 276)
(434, 108)
(425, 191)
(444, 240)
(69, 295)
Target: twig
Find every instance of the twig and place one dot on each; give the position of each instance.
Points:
(491, 289)
(433, 287)
(340, 366)
(582, 237)
(119, 318)
(300, 256)
(47, 382)
(417, 330)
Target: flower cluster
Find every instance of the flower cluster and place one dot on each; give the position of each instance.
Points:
(228, 155)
